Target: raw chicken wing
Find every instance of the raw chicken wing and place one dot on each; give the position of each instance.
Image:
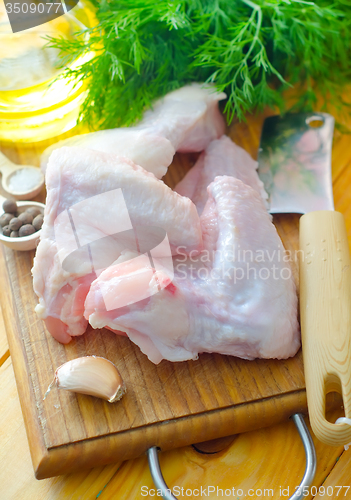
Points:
(237, 297)
(185, 120)
(91, 198)
(221, 157)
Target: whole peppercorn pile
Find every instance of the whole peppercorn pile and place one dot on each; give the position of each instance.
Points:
(15, 224)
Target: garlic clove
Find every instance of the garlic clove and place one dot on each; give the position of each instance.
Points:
(91, 375)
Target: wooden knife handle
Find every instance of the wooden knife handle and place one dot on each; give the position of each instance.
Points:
(325, 309)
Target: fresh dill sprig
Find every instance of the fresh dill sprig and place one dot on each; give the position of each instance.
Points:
(251, 49)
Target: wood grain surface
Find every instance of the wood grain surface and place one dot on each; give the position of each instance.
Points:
(268, 459)
(325, 313)
(169, 405)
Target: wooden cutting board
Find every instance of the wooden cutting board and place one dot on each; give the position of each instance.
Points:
(168, 405)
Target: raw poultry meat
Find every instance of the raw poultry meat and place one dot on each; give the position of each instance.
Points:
(188, 117)
(185, 120)
(237, 297)
(90, 197)
(142, 146)
(198, 269)
(221, 157)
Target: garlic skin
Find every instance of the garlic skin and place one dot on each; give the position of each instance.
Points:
(91, 375)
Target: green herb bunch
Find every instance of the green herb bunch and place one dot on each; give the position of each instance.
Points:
(251, 49)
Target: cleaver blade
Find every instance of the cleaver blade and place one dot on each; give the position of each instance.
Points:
(294, 163)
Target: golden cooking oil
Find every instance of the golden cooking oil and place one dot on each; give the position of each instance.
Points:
(34, 103)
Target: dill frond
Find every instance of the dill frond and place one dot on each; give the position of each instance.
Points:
(251, 49)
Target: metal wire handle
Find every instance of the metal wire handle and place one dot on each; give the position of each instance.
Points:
(310, 470)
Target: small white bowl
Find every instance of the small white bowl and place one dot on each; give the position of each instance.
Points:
(26, 242)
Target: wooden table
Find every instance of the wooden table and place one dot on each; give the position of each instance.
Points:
(267, 463)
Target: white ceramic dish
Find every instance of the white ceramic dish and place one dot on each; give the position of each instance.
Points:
(26, 242)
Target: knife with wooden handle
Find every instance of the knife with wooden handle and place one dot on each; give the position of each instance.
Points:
(295, 166)
(325, 310)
